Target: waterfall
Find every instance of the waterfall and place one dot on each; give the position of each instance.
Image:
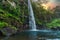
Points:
(32, 23)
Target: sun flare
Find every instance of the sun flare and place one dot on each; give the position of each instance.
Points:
(48, 5)
(44, 6)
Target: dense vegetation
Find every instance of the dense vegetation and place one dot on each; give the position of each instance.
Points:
(13, 13)
(46, 19)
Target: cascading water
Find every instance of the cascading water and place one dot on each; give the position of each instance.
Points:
(32, 23)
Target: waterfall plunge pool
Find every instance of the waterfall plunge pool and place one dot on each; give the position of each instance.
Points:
(36, 35)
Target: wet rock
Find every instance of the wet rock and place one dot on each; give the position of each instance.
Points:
(1, 34)
(8, 31)
(55, 28)
(58, 28)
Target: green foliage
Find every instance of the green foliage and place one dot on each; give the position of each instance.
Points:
(12, 17)
(48, 18)
(5, 14)
(42, 16)
(54, 23)
(3, 24)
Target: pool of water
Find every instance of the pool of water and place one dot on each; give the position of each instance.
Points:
(35, 35)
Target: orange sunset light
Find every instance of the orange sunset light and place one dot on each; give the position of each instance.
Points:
(48, 5)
